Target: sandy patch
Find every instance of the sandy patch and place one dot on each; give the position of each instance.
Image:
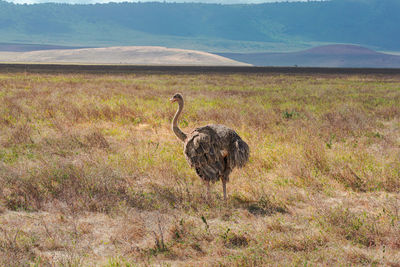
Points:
(138, 55)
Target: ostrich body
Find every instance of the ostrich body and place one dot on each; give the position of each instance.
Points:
(213, 150)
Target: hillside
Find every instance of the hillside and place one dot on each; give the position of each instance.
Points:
(15, 47)
(284, 26)
(322, 56)
(120, 55)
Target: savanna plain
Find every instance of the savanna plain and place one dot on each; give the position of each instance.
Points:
(91, 173)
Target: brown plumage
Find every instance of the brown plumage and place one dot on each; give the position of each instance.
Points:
(212, 150)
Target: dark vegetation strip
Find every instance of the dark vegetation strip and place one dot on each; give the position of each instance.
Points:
(73, 68)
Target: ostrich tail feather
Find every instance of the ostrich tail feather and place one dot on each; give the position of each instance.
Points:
(241, 153)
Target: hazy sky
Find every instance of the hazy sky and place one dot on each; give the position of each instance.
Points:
(106, 1)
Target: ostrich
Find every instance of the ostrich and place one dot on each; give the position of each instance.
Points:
(212, 150)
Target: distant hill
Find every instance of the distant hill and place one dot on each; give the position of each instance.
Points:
(322, 56)
(284, 26)
(121, 55)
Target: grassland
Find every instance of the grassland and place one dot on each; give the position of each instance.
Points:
(90, 173)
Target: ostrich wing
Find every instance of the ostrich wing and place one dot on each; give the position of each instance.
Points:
(203, 152)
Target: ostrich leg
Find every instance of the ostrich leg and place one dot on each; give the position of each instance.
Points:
(224, 188)
(208, 190)
(225, 177)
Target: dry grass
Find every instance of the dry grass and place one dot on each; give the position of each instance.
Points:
(90, 173)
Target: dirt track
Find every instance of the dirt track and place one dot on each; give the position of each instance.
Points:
(142, 69)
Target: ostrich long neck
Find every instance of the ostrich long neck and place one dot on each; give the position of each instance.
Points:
(178, 132)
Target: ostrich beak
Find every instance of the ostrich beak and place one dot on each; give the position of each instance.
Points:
(172, 100)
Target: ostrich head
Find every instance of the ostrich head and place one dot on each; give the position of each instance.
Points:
(177, 97)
